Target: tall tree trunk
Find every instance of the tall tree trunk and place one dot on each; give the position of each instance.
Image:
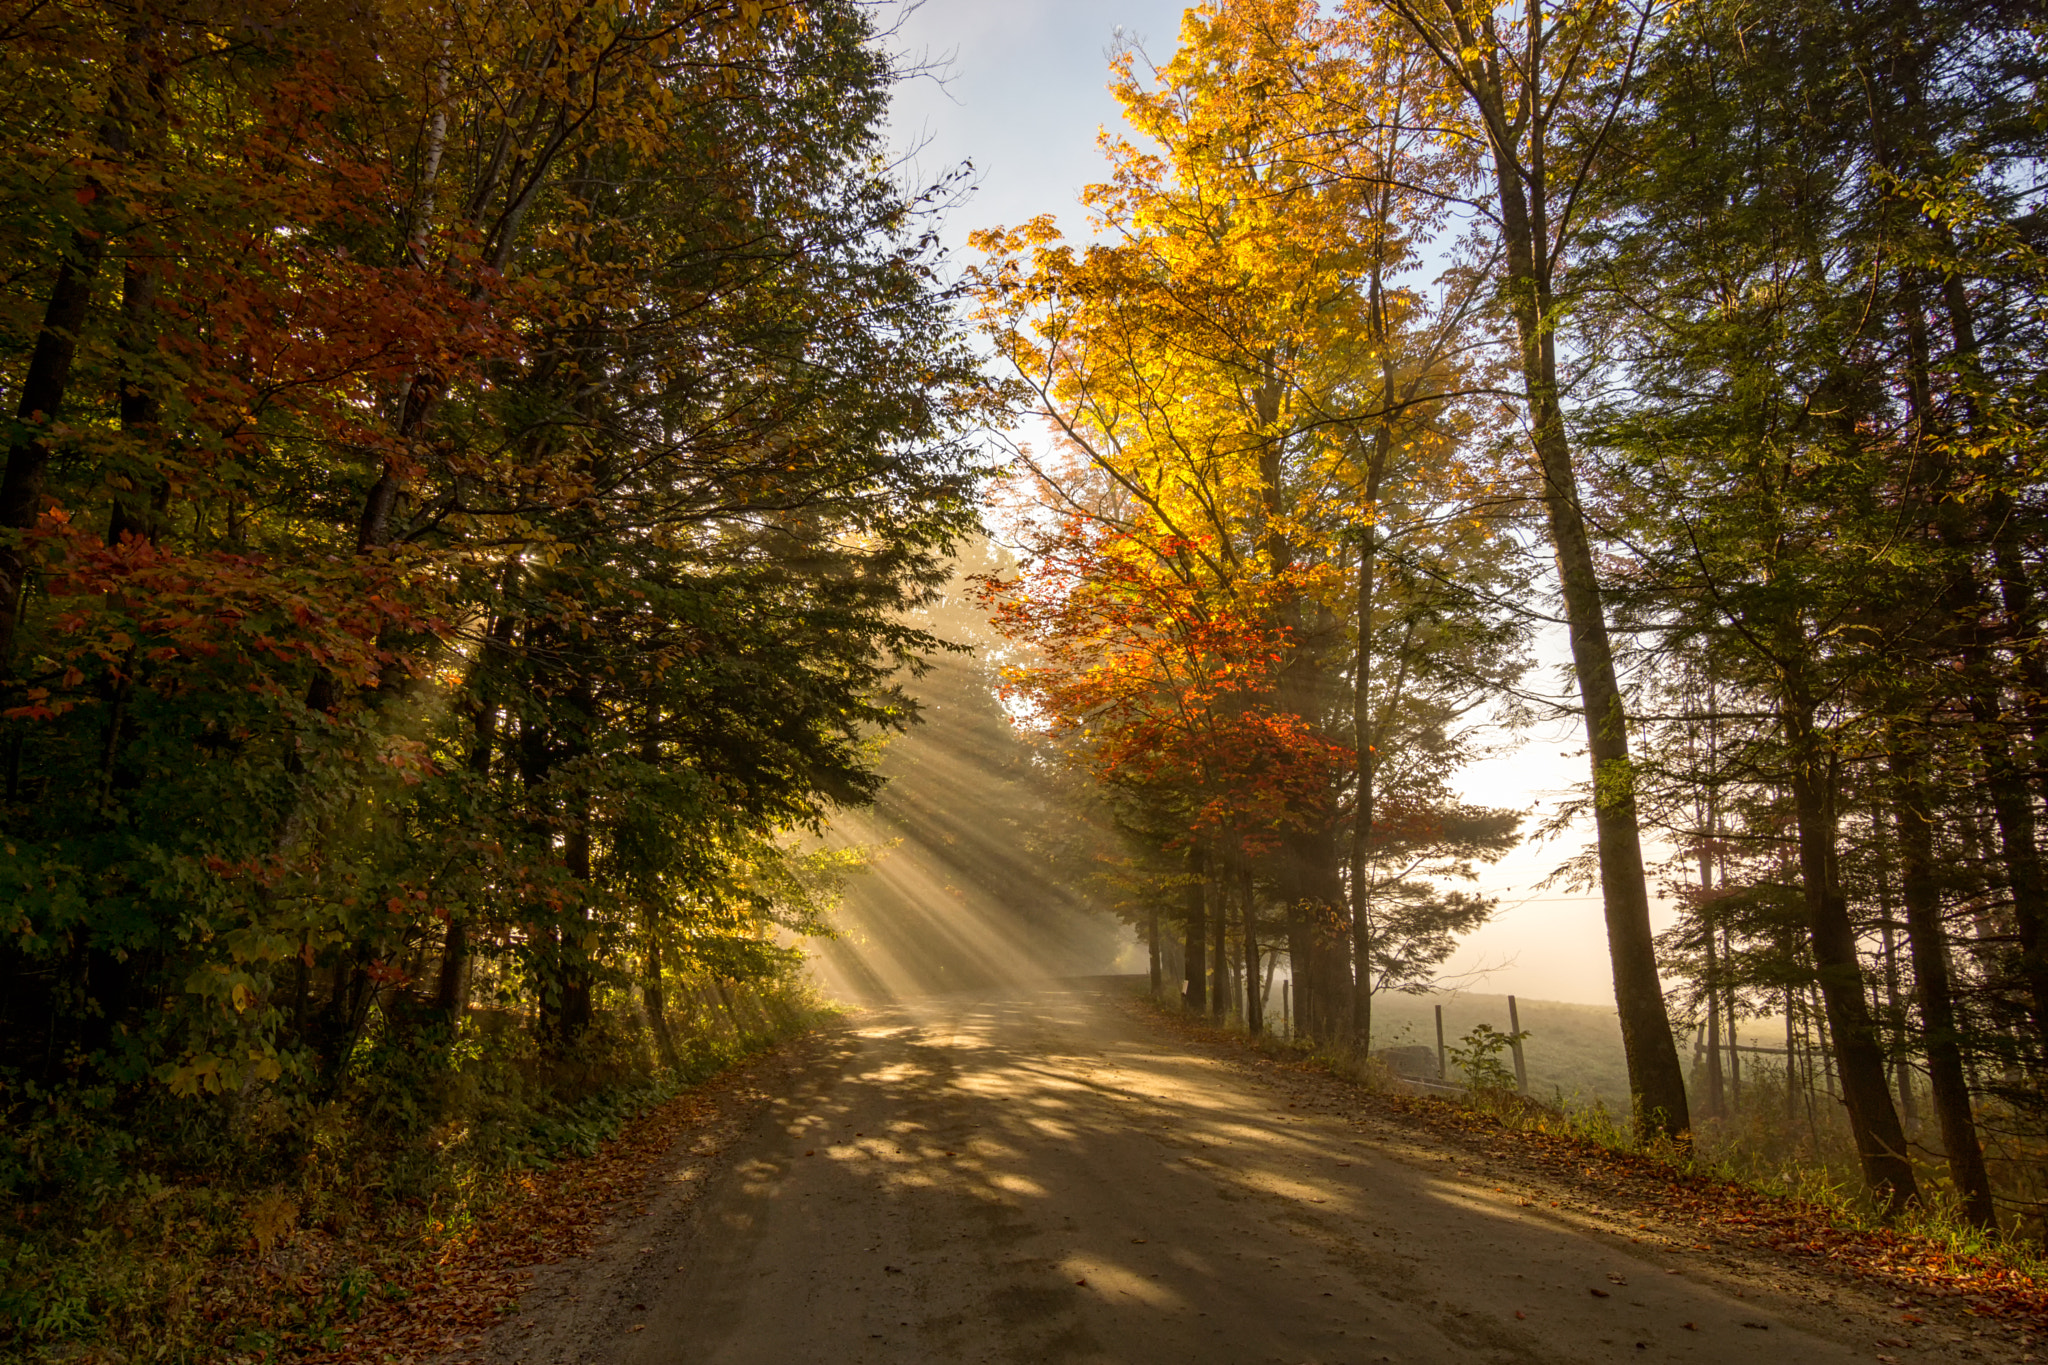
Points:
(43, 390)
(654, 998)
(140, 510)
(1254, 1004)
(1219, 949)
(1791, 1059)
(1300, 951)
(1364, 742)
(2012, 811)
(577, 982)
(1734, 1035)
(653, 991)
(1873, 1122)
(1942, 1039)
(1327, 1011)
(451, 989)
(1710, 834)
(47, 382)
(1656, 1075)
(1894, 998)
(1716, 1102)
(1194, 956)
(1152, 950)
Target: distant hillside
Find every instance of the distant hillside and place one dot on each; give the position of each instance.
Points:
(1573, 1050)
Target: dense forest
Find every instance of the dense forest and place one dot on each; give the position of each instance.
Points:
(1733, 314)
(485, 483)
(467, 470)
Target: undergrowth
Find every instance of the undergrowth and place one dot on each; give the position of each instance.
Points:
(255, 1231)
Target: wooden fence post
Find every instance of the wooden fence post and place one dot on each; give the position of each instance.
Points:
(1515, 1033)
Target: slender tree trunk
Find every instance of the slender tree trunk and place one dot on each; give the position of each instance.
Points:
(1947, 1077)
(1219, 950)
(653, 989)
(450, 984)
(1254, 1005)
(43, 391)
(1152, 950)
(1734, 1036)
(47, 382)
(1365, 743)
(1194, 957)
(2012, 811)
(1716, 1104)
(654, 999)
(1656, 1075)
(1300, 953)
(1894, 998)
(1873, 1122)
(139, 511)
(451, 990)
(1791, 1060)
(1710, 833)
(577, 982)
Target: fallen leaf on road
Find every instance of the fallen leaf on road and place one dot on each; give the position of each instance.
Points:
(1599, 1293)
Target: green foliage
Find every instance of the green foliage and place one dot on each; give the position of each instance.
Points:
(1479, 1057)
(180, 1256)
(437, 576)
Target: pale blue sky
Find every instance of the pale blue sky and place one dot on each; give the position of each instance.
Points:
(1024, 95)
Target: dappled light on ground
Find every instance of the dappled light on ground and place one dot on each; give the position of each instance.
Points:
(1039, 1176)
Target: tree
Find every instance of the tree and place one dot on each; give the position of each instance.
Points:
(1262, 419)
(1533, 87)
(479, 539)
(1764, 314)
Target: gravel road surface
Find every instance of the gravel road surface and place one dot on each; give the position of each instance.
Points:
(1049, 1176)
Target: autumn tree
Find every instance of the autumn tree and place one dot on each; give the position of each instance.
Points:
(1262, 410)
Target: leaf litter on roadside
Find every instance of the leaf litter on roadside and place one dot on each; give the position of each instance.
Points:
(450, 1302)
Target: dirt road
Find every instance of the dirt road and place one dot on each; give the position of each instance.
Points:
(1051, 1177)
